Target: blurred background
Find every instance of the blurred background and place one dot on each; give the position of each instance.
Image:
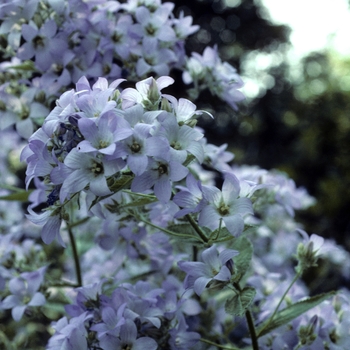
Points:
(294, 57)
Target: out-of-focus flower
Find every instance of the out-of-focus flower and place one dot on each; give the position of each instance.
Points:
(25, 293)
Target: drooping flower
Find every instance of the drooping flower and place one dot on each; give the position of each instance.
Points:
(51, 220)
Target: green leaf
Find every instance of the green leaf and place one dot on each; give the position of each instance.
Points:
(21, 196)
(121, 182)
(291, 312)
(26, 65)
(221, 236)
(238, 305)
(138, 202)
(243, 259)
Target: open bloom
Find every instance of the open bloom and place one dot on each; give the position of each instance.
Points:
(160, 174)
(225, 205)
(25, 293)
(215, 266)
(88, 169)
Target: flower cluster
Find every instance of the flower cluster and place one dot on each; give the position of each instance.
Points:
(96, 135)
(135, 316)
(169, 246)
(208, 71)
(56, 44)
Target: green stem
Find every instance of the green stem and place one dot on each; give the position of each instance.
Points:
(251, 327)
(218, 345)
(76, 257)
(250, 322)
(77, 223)
(279, 304)
(164, 229)
(150, 196)
(217, 233)
(201, 234)
(64, 284)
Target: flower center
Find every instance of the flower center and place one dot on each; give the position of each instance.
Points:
(38, 41)
(176, 145)
(135, 147)
(102, 144)
(96, 168)
(150, 29)
(224, 209)
(162, 169)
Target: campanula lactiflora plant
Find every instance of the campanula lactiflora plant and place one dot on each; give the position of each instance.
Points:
(140, 234)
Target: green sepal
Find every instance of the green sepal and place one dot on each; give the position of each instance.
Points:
(291, 312)
(238, 305)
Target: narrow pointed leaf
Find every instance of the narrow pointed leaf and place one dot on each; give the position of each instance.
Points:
(21, 196)
(291, 312)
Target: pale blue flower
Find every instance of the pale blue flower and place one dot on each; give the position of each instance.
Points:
(88, 170)
(160, 175)
(25, 293)
(225, 205)
(215, 266)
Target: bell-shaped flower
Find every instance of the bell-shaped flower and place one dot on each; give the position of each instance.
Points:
(128, 339)
(50, 220)
(182, 139)
(140, 146)
(309, 250)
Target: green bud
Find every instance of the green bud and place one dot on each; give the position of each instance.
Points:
(153, 93)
